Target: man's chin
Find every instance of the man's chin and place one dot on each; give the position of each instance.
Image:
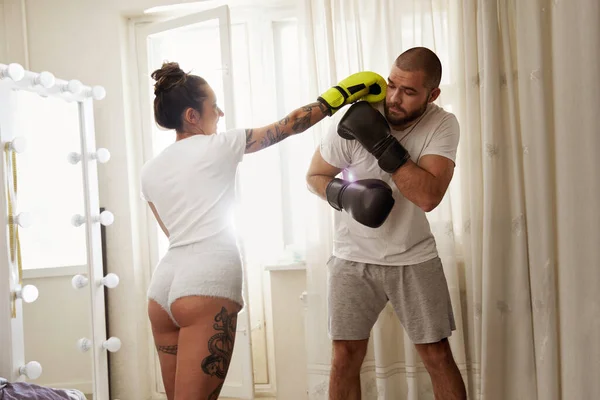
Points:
(394, 119)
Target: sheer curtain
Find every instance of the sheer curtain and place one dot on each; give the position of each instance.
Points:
(518, 230)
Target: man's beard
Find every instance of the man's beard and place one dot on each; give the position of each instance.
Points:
(402, 122)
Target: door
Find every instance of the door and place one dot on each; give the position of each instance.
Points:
(201, 44)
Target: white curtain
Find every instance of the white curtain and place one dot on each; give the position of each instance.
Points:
(518, 231)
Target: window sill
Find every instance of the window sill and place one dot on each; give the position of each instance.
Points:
(291, 266)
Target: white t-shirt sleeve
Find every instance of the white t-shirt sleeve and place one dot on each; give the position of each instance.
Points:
(236, 141)
(336, 150)
(143, 188)
(445, 139)
(144, 196)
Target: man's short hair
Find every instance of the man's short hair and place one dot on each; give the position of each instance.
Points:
(422, 59)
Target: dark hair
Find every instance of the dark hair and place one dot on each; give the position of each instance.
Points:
(422, 59)
(175, 91)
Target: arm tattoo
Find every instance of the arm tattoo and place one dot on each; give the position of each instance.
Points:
(274, 135)
(167, 349)
(220, 345)
(297, 121)
(249, 138)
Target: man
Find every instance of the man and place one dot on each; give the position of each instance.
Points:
(396, 259)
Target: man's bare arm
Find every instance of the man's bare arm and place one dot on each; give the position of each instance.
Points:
(319, 174)
(425, 183)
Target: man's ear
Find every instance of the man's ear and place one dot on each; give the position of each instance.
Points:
(435, 93)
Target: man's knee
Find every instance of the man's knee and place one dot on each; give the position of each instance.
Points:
(437, 355)
(349, 354)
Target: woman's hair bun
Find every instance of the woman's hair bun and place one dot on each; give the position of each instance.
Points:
(168, 77)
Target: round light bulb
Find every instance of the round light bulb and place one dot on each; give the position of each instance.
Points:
(84, 344)
(28, 293)
(74, 86)
(77, 220)
(98, 93)
(31, 370)
(111, 281)
(18, 144)
(74, 158)
(45, 79)
(79, 281)
(24, 220)
(14, 71)
(102, 155)
(106, 218)
(113, 344)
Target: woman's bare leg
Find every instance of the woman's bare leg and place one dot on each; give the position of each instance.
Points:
(166, 337)
(205, 346)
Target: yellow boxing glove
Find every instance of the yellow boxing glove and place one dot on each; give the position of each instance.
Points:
(364, 85)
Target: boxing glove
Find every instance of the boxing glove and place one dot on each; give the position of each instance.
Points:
(366, 85)
(365, 124)
(368, 201)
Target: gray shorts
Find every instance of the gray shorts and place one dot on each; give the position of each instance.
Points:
(358, 292)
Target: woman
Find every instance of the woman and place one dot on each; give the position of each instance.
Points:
(196, 289)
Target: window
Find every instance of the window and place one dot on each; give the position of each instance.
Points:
(295, 151)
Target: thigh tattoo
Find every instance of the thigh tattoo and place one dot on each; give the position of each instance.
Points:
(215, 395)
(220, 345)
(167, 349)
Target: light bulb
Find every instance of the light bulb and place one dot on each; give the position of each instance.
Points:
(98, 93)
(106, 218)
(102, 155)
(31, 370)
(77, 220)
(28, 293)
(23, 219)
(13, 71)
(79, 281)
(113, 344)
(73, 86)
(45, 79)
(74, 158)
(111, 281)
(84, 344)
(18, 144)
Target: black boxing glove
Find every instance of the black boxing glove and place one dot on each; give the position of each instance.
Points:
(365, 124)
(368, 201)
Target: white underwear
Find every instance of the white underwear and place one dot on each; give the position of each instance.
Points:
(212, 269)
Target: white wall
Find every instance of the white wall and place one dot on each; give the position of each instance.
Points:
(53, 324)
(13, 41)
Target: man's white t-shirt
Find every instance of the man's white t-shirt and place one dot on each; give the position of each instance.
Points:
(192, 185)
(405, 237)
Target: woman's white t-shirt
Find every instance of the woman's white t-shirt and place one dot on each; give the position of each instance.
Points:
(192, 185)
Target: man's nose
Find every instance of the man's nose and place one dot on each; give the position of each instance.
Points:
(397, 96)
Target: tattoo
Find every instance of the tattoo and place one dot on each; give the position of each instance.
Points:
(167, 349)
(249, 138)
(215, 395)
(274, 135)
(297, 121)
(285, 121)
(220, 345)
(303, 122)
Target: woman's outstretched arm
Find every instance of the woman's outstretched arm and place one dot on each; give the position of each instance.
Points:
(364, 85)
(295, 122)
